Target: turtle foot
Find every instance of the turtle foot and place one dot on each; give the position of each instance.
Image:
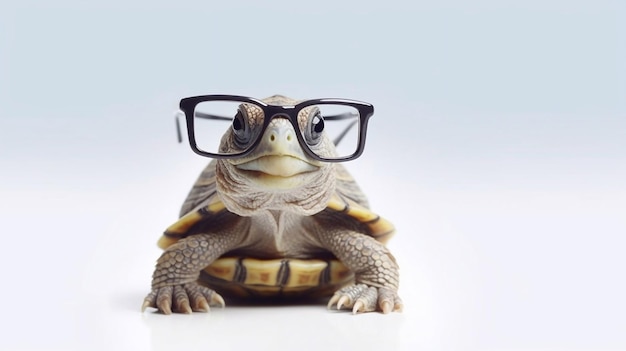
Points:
(184, 298)
(363, 298)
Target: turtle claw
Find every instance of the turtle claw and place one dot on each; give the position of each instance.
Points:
(202, 305)
(185, 298)
(216, 299)
(184, 307)
(362, 298)
(344, 300)
(181, 300)
(385, 306)
(359, 306)
(333, 300)
(338, 301)
(149, 301)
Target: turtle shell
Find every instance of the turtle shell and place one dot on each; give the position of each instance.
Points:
(251, 276)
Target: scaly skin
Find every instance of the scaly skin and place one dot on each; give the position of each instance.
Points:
(375, 269)
(174, 284)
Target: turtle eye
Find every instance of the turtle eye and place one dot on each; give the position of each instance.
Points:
(238, 123)
(241, 129)
(315, 129)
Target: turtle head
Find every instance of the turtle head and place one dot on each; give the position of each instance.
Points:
(278, 174)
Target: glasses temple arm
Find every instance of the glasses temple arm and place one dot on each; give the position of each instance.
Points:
(340, 116)
(203, 115)
(178, 132)
(343, 134)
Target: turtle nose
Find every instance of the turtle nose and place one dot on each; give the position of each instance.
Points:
(280, 135)
(280, 139)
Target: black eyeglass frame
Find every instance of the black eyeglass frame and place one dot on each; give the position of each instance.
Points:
(188, 106)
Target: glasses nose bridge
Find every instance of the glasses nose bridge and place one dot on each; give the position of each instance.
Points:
(286, 112)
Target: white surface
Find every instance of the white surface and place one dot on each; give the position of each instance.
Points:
(498, 149)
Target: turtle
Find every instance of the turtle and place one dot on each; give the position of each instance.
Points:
(275, 223)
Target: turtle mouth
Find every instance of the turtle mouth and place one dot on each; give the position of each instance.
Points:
(273, 166)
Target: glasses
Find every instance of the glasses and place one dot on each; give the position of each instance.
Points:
(331, 130)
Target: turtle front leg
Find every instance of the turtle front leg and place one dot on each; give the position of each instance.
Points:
(174, 282)
(375, 269)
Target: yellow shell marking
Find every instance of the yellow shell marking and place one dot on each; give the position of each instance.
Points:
(381, 228)
(305, 273)
(223, 268)
(182, 226)
(302, 273)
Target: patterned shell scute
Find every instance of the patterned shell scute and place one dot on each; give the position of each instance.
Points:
(249, 276)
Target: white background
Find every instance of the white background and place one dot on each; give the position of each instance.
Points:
(498, 149)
